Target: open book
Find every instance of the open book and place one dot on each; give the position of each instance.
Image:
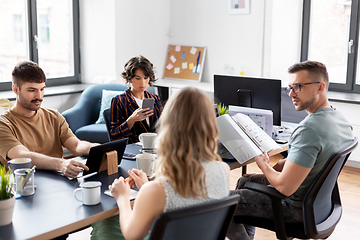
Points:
(244, 139)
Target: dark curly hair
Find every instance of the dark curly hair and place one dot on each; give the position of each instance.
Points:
(28, 71)
(136, 63)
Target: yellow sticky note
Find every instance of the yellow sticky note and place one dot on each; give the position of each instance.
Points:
(191, 66)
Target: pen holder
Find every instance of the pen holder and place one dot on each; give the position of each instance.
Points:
(24, 178)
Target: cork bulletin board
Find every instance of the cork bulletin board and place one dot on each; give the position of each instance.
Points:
(184, 62)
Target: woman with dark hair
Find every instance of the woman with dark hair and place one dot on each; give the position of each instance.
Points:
(127, 117)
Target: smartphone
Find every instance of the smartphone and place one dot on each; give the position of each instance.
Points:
(244, 97)
(129, 156)
(148, 103)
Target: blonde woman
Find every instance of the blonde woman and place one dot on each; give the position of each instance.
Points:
(189, 170)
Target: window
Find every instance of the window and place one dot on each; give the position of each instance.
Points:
(18, 29)
(330, 35)
(44, 35)
(43, 31)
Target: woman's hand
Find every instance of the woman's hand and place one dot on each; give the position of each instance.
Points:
(138, 178)
(120, 188)
(141, 114)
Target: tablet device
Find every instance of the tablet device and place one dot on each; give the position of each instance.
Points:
(96, 154)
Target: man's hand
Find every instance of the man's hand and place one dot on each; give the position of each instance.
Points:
(71, 168)
(261, 159)
(279, 165)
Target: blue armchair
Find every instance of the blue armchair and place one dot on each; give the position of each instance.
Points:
(83, 115)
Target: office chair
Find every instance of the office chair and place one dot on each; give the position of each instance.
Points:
(209, 221)
(106, 115)
(321, 206)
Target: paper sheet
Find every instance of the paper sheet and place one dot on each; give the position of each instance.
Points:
(132, 195)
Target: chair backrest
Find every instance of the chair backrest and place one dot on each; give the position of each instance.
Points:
(322, 206)
(209, 220)
(106, 115)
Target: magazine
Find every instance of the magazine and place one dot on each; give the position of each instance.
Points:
(244, 139)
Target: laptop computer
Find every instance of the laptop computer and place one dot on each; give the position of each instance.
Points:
(93, 160)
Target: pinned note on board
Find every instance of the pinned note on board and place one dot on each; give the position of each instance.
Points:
(184, 62)
(176, 70)
(184, 65)
(193, 50)
(173, 59)
(169, 66)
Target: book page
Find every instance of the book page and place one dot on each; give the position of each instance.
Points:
(262, 117)
(256, 133)
(235, 140)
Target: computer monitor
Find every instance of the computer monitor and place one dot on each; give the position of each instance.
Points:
(249, 92)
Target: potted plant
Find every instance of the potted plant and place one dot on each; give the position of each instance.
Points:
(7, 198)
(223, 109)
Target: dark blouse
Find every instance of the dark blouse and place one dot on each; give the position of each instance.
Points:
(122, 106)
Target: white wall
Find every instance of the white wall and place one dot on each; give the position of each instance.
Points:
(282, 42)
(142, 28)
(111, 32)
(97, 41)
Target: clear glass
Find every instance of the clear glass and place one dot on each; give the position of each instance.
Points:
(13, 46)
(55, 37)
(24, 178)
(329, 36)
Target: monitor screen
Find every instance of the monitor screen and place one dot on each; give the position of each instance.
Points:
(249, 92)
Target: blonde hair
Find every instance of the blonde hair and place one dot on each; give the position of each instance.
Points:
(187, 133)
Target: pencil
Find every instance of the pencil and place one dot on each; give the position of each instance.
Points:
(128, 178)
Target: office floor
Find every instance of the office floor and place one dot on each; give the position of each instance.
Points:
(347, 228)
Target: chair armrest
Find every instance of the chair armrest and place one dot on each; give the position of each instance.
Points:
(268, 190)
(276, 198)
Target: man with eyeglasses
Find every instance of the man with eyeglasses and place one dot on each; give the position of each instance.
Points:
(317, 137)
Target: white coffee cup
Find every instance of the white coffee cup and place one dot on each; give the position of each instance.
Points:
(145, 162)
(148, 140)
(91, 192)
(17, 163)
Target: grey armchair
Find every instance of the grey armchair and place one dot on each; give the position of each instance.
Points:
(83, 115)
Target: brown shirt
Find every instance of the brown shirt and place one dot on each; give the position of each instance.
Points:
(44, 133)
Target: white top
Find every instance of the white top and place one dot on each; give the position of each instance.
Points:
(139, 103)
(217, 187)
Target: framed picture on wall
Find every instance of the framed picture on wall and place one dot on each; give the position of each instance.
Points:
(238, 6)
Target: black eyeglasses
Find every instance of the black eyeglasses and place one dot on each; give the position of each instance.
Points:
(297, 87)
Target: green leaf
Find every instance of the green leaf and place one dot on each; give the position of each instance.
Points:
(5, 190)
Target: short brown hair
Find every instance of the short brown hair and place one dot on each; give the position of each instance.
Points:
(28, 71)
(315, 69)
(136, 63)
